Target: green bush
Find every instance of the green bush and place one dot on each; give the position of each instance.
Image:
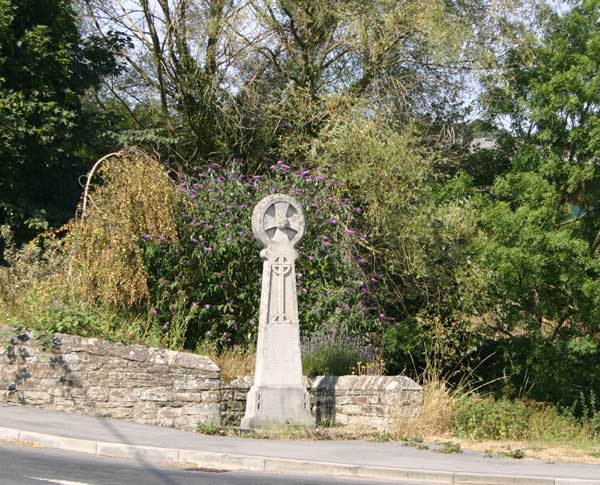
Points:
(331, 355)
(541, 369)
(205, 284)
(484, 418)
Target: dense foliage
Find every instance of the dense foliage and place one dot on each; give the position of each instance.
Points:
(46, 65)
(205, 285)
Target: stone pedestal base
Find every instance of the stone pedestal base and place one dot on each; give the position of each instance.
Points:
(277, 405)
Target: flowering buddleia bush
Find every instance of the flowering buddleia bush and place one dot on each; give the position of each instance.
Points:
(206, 284)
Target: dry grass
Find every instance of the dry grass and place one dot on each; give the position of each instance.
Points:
(234, 362)
(537, 450)
(438, 422)
(439, 404)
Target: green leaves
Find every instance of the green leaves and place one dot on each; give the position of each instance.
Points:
(46, 67)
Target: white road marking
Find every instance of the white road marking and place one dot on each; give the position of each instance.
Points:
(60, 482)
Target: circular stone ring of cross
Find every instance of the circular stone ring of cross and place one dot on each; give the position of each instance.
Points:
(278, 219)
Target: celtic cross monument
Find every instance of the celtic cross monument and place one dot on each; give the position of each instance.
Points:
(278, 395)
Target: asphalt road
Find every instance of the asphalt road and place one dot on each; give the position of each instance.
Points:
(20, 465)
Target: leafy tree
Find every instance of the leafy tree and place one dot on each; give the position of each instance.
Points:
(46, 67)
(536, 269)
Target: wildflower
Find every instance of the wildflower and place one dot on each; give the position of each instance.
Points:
(147, 236)
(207, 306)
(153, 311)
(332, 220)
(194, 240)
(166, 325)
(349, 231)
(207, 249)
(310, 257)
(194, 305)
(160, 237)
(319, 177)
(357, 210)
(304, 173)
(325, 242)
(299, 275)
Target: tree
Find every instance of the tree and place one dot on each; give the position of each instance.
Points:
(46, 67)
(536, 266)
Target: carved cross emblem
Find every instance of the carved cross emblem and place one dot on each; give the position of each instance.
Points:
(281, 267)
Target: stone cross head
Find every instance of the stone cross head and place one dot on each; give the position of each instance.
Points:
(278, 220)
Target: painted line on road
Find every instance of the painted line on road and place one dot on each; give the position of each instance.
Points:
(60, 482)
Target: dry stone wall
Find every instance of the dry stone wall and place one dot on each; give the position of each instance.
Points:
(366, 402)
(100, 378)
(177, 389)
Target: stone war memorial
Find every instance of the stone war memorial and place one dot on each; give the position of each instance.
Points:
(278, 395)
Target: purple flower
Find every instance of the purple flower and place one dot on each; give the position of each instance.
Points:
(299, 275)
(194, 305)
(305, 173)
(310, 257)
(160, 237)
(357, 210)
(228, 239)
(166, 325)
(194, 240)
(361, 260)
(147, 236)
(207, 306)
(325, 242)
(256, 177)
(349, 231)
(207, 249)
(319, 177)
(153, 311)
(332, 220)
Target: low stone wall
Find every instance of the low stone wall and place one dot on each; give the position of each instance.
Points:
(366, 402)
(100, 378)
(177, 389)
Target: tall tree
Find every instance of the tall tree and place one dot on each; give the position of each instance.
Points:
(45, 69)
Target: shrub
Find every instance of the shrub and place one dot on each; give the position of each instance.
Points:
(332, 355)
(526, 361)
(136, 197)
(481, 418)
(206, 284)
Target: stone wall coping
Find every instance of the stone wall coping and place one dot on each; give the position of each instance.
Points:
(133, 352)
(389, 384)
